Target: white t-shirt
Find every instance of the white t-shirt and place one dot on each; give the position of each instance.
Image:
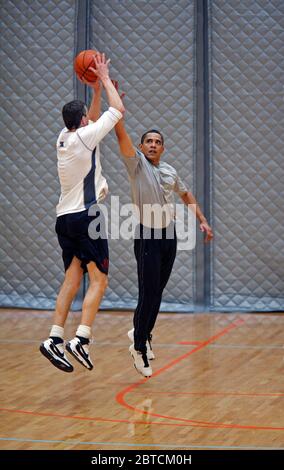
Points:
(78, 164)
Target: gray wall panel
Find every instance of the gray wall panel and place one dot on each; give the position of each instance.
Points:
(37, 41)
(151, 45)
(247, 140)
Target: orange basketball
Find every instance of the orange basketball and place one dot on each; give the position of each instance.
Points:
(82, 62)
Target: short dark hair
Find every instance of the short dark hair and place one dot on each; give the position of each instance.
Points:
(72, 113)
(155, 132)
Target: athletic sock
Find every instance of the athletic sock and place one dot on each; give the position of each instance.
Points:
(57, 334)
(84, 333)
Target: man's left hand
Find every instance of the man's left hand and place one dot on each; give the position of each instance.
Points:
(205, 227)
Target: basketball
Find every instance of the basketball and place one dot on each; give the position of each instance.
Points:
(83, 61)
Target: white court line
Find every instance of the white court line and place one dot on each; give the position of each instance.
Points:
(128, 444)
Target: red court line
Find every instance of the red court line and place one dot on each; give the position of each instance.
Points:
(120, 397)
(232, 326)
(98, 419)
(184, 423)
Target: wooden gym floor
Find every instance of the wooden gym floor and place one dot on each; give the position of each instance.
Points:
(218, 383)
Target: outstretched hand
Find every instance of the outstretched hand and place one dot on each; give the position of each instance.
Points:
(205, 227)
(101, 69)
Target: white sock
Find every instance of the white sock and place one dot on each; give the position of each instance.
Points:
(84, 331)
(57, 331)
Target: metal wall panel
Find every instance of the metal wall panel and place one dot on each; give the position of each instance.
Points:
(151, 45)
(37, 42)
(247, 141)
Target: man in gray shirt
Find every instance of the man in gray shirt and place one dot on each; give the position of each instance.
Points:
(152, 183)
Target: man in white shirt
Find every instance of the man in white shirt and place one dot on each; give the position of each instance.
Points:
(82, 185)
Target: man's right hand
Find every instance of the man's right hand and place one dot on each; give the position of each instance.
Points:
(102, 72)
(102, 67)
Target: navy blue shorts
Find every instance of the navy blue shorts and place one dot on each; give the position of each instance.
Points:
(74, 239)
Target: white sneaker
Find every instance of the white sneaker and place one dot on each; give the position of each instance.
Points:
(150, 353)
(80, 352)
(141, 363)
(55, 354)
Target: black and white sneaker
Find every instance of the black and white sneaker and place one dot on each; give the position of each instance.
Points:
(55, 354)
(150, 352)
(141, 363)
(80, 352)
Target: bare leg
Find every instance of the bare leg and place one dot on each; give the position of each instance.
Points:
(98, 284)
(69, 289)
(53, 348)
(79, 346)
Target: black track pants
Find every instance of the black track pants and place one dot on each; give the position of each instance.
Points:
(155, 259)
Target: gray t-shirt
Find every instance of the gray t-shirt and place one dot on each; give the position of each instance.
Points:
(152, 189)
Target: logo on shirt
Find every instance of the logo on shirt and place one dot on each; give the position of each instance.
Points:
(61, 144)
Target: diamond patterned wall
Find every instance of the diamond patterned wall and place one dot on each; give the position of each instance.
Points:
(151, 45)
(37, 45)
(36, 79)
(152, 49)
(247, 141)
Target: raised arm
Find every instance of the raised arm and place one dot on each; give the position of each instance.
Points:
(102, 72)
(126, 146)
(94, 111)
(189, 199)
